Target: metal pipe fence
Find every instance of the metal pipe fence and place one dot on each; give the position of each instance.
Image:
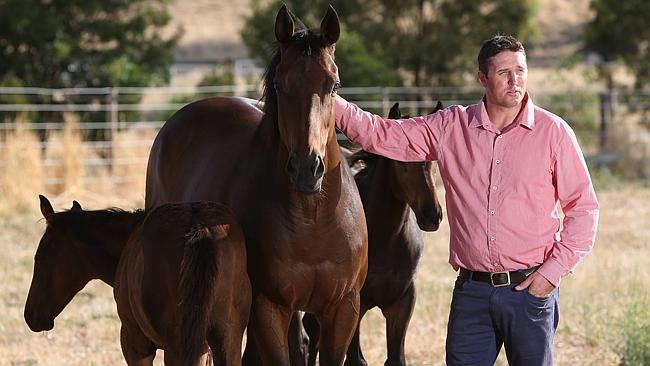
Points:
(123, 118)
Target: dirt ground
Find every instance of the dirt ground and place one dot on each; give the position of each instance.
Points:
(592, 301)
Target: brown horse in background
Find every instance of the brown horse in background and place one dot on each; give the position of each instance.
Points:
(399, 200)
(280, 171)
(179, 277)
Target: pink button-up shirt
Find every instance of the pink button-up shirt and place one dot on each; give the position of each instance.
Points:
(501, 188)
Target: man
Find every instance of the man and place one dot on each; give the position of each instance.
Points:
(505, 164)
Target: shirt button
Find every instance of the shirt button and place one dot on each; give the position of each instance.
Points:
(493, 238)
(491, 212)
(498, 161)
(494, 188)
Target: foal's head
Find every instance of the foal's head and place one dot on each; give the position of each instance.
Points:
(70, 253)
(413, 182)
(300, 86)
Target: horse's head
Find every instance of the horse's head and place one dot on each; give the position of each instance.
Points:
(413, 182)
(59, 271)
(300, 87)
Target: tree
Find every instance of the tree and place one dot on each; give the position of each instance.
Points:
(61, 43)
(416, 42)
(620, 31)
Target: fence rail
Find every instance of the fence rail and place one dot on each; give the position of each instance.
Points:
(105, 115)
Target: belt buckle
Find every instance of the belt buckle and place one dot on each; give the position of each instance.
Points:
(492, 274)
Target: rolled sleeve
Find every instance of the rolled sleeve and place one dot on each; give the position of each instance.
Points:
(407, 139)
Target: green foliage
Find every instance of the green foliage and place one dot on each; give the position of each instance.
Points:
(58, 43)
(351, 52)
(6, 117)
(431, 42)
(580, 110)
(620, 32)
(224, 75)
(633, 344)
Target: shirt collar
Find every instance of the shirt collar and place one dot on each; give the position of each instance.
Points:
(526, 118)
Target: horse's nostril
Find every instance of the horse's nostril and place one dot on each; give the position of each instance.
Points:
(319, 167)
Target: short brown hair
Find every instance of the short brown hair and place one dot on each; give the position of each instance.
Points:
(496, 45)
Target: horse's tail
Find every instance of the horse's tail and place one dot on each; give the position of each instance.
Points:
(198, 282)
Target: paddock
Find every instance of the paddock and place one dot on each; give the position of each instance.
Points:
(603, 304)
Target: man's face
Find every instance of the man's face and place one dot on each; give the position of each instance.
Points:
(505, 83)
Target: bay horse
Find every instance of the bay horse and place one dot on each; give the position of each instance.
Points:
(178, 272)
(280, 170)
(399, 200)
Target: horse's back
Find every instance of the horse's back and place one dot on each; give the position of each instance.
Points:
(186, 265)
(204, 141)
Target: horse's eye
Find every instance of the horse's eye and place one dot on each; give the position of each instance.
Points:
(336, 87)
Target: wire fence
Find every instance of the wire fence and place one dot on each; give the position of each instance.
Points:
(116, 126)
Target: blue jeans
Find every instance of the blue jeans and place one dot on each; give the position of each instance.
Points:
(483, 318)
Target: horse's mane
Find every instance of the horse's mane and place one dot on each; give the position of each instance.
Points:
(116, 219)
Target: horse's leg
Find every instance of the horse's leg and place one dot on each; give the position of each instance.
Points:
(268, 328)
(298, 341)
(136, 347)
(398, 316)
(251, 356)
(310, 323)
(337, 328)
(354, 354)
(225, 342)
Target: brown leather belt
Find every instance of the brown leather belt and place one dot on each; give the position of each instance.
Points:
(497, 279)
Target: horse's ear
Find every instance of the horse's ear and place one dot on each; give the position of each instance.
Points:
(46, 208)
(75, 206)
(395, 112)
(283, 25)
(438, 107)
(330, 29)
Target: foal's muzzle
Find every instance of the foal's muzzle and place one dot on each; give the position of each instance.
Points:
(306, 173)
(38, 321)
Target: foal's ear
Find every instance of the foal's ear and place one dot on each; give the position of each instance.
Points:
(330, 29)
(46, 208)
(75, 206)
(438, 107)
(395, 112)
(283, 25)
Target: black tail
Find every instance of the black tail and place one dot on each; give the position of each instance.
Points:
(198, 277)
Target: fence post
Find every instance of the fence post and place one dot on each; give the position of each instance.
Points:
(385, 99)
(112, 117)
(607, 108)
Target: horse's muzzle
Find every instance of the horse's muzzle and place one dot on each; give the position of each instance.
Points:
(429, 219)
(306, 173)
(38, 322)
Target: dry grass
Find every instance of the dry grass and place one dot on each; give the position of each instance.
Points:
(592, 301)
(21, 169)
(66, 152)
(67, 169)
(131, 149)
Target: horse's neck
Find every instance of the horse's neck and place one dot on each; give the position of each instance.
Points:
(385, 212)
(106, 240)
